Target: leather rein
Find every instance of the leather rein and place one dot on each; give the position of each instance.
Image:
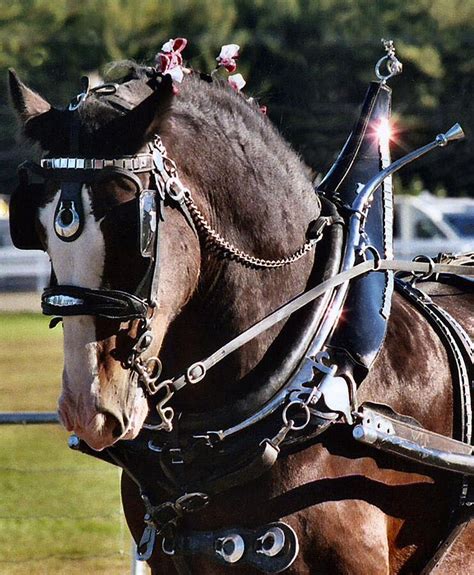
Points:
(65, 300)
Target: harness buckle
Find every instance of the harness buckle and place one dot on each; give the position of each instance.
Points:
(147, 544)
(192, 502)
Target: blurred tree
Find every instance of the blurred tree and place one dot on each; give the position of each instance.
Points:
(308, 60)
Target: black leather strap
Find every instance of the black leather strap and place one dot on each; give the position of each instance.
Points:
(63, 300)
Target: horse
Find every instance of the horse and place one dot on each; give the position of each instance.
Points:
(353, 509)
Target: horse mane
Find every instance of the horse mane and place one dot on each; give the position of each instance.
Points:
(201, 104)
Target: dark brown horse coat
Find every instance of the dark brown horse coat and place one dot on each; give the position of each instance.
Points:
(355, 510)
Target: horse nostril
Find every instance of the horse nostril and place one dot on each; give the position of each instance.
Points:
(113, 424)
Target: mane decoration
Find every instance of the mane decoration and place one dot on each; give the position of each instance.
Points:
(169, 62)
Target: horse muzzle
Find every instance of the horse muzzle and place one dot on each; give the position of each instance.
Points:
(103, 420)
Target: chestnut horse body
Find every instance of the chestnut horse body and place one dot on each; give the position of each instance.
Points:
(355, 510)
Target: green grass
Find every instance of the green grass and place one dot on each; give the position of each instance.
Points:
(60, 511)
(30, 363)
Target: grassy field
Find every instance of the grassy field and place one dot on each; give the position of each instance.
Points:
(60, 511)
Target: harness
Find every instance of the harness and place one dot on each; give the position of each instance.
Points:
(193, 463)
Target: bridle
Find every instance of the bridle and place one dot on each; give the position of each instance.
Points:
(166, 189)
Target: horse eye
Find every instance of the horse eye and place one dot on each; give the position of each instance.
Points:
(111, 193)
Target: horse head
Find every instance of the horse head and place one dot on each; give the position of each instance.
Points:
(89, 221)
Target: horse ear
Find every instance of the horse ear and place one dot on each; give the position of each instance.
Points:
(164, 91)
(40, 120)
(28, 104)
(148, 117)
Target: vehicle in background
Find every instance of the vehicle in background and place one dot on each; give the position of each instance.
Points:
(429, 225)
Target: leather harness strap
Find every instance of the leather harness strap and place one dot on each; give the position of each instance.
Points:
(197, 371)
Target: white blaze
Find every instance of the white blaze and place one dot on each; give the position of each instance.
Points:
(78, 263)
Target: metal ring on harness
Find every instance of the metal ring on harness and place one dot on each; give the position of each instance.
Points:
(196, 372)
(424, 275)
(374, 251)
(291, 422)
(175, 189)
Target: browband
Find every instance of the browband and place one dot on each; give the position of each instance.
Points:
(139, 163)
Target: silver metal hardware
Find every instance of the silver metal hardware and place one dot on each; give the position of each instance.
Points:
(63, 300)
(453, 134)
(73, 441)
(106, 89)
(74, 105)
(176, 190)
(67, 221)
(167, 548)
(226, 247)
(372, 250)
(149, 372)
(192, 502)
(272, 542)
(139, 163)
(334, 391)
(195, 372)
(289, 421)
(456, 462)
(151, 445)
(148, 222)
(166, 413)
(423, 275)
(176, 456)
(147, 543)
(230, 548)
(389, 61)
(413, 442)
(144, 342)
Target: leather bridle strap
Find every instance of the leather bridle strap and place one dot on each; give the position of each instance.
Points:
(67, 300)
(197, 371)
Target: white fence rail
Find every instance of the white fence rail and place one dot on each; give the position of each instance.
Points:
(16, 266)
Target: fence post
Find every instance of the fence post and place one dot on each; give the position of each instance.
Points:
(138, 567)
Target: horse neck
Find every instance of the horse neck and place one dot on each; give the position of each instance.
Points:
(262, 201)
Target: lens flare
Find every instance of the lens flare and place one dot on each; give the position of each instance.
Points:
(384, 131)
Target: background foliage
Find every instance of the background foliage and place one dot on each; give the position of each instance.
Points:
(309, 61)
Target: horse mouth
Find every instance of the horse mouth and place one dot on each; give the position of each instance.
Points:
(102, 427)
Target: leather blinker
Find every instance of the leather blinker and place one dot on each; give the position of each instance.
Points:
(23, 212)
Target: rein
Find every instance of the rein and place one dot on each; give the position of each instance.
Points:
(61, 300)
